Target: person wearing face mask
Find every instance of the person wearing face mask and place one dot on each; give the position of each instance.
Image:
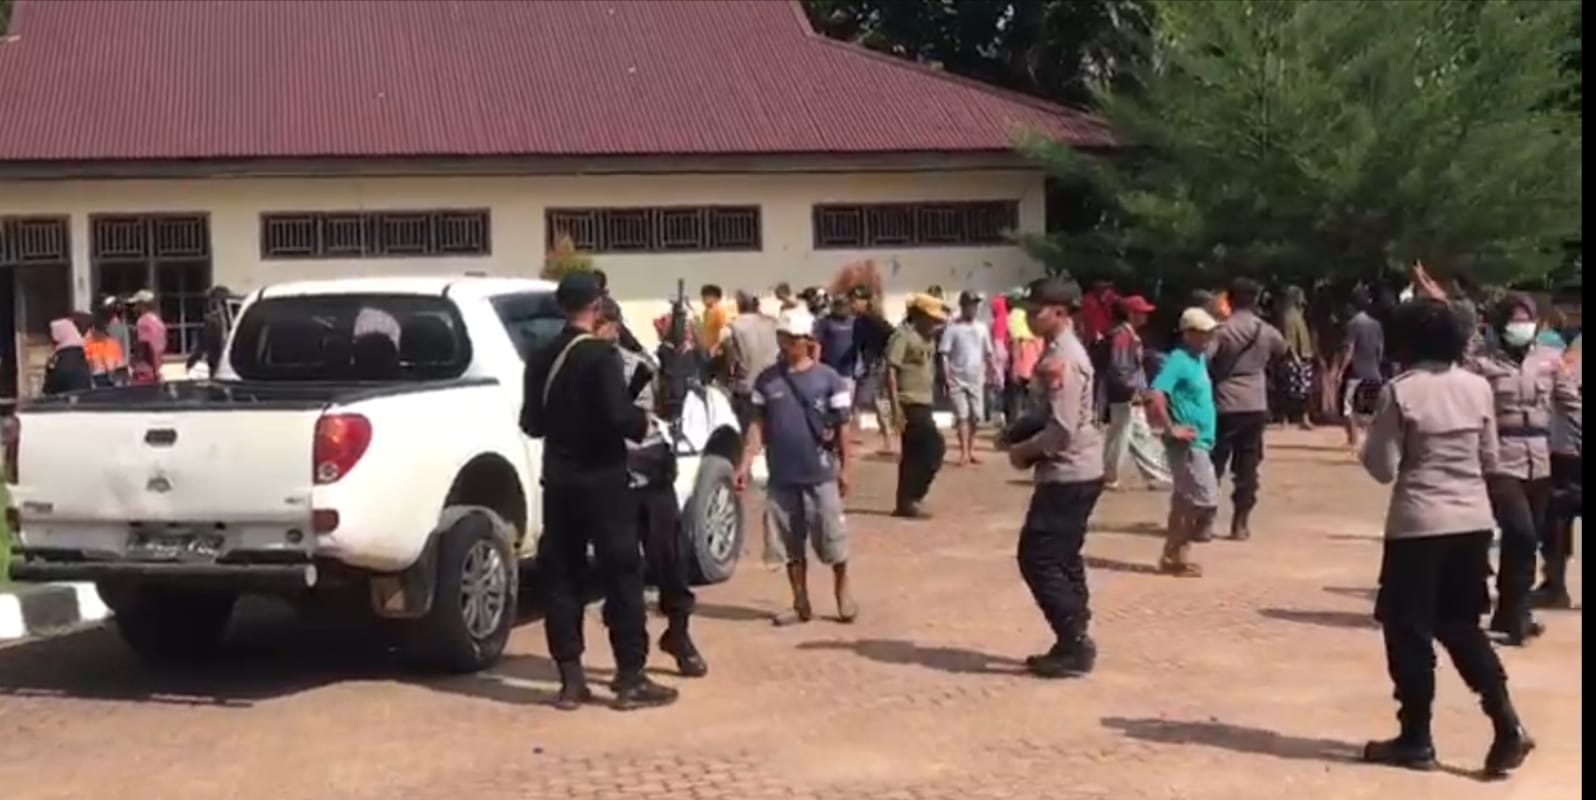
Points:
(1528, 382)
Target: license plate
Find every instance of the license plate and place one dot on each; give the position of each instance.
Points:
(173, 545)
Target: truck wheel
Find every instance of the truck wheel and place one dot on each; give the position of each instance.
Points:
(474, 602)
(712, 523)
(166, 625)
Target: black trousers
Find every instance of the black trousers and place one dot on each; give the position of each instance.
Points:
(660, 520)
(1567, 505)
(920, 458)
(601, 512)
(1239, 447)
(1050, 554)
(1519, 506)
(1434, 588)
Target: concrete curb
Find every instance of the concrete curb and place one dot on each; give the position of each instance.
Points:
(33, 609)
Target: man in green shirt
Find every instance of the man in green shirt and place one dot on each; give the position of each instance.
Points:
(910, 382)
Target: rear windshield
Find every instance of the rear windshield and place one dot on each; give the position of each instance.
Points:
(531, 318)
(350, 337)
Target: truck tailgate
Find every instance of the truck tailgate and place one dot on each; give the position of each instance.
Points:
(188, 467)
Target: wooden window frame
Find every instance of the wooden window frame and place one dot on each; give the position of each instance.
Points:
(162, 248)
(15, 235)
(650, 230)
(385, 233)
(886, 226)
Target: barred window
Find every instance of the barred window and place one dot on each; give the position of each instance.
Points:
(879, 225)
(33, 240)
(657, 229)
(374, 234)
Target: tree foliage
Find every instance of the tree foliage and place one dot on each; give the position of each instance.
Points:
(1307, 139)
(564, 258)
(1055, 49)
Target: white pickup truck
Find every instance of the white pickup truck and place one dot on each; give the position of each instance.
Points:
(361, 436)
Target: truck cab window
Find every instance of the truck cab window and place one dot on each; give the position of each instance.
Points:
(532, 319)
(339, 338)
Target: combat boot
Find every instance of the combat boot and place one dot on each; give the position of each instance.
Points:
(1512, 743)
(1411, 749)
(1553, 591)
(574, 691)
(634, 690)
(1070, 659)
(678, 644)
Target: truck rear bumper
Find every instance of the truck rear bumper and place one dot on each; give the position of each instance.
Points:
(32, 565)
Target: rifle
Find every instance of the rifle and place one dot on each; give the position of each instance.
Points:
(675, 363)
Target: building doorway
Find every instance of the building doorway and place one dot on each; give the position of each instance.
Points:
(35, 287)
(169, 254)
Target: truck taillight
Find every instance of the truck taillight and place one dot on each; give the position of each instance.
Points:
(341, 439)
(13, 443)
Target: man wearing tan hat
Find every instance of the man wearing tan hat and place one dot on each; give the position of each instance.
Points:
(910, 384)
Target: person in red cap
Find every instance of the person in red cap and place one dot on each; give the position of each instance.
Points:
(1125, 386)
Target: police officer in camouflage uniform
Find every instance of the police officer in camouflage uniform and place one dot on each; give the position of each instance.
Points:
(652, 467)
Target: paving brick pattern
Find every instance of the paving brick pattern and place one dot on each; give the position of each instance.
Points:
(1257, 681)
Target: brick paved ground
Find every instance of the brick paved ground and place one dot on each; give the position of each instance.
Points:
(1257, 681)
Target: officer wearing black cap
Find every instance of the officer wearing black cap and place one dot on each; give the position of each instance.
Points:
(576, 400)
(1062, 443)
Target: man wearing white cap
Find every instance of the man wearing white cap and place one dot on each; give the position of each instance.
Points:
(1181, 401)
(800, 418)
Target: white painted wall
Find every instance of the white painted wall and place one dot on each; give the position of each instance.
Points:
(642, 282)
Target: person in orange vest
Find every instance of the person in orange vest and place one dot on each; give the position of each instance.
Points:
(107, 360)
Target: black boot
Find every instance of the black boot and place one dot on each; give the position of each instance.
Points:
(1553, 591)
(1411, 749)
(573, 687)
(634, 690)
(1071, 659)
(1512, 743)
(677, 644)
(1517, 632)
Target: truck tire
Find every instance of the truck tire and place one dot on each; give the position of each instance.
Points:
(166, 625)
(712, 523)
(474, 599)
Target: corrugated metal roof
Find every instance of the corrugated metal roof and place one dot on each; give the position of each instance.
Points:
(224, 79)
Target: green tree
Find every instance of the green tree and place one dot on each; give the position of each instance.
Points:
(1055, 49)
(1310, 139)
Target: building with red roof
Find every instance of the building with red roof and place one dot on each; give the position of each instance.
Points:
(173, 144)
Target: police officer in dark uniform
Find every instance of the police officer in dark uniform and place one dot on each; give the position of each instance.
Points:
(577, 402)
(652, 464)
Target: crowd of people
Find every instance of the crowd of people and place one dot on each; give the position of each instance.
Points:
(125, 341)
(1473, 416)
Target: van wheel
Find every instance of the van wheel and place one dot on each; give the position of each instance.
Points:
(712, 523)
(474, 599)
(165, 625)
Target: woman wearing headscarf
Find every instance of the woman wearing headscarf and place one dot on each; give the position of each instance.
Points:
(68, 368)
(1294, 375)
(1434, 439)
(1530, 382)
